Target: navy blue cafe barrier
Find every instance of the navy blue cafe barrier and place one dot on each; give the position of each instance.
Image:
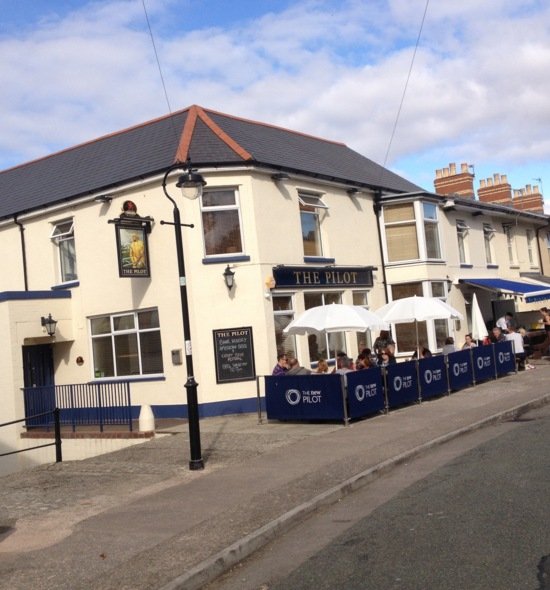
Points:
(505, 359)
(432, 377)
(401, 384)
(483, 362)
(304, 397)
(365, 392)
(460, 371)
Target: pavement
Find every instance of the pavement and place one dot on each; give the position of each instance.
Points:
(139, 519)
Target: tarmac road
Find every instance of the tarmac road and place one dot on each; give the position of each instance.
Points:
(138, 519)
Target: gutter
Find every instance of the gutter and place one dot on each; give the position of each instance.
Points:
(377, 207)
(23, 251)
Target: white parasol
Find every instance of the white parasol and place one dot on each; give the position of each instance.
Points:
(336, 317)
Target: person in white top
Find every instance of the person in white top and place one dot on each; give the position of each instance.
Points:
(504, 322)
(517, 343)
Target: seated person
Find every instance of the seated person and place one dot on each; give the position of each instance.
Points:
(296, 369)
(386, 358)
(496, 335)
(468, 342)
(343, 365)
(449, 345)
(425, 353)
(383, 341)
(282, 365)
(322, 366)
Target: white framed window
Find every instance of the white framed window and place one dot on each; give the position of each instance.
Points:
(311, 206)
(431, 230)
(509, 233)
(62, 235)
(462, 230)
(432, 333)
(283, 314)
(325, 346)
(530, 235)
(401, 232)
(221, 222)
(126, 344)
(412, 231)
(488, 234)
(364, 339)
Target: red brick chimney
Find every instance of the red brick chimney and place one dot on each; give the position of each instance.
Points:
(496, 190)
(529, 199)
(449, 182)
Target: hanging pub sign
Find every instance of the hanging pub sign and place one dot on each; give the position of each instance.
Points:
(131, 241)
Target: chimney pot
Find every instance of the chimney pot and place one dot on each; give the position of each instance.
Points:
(496, 177)
(528, 189)
(452, 169)
(464, 168)
(489, 182)
(482, 183)
(504, 179)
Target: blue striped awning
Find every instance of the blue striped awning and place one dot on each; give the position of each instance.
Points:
(529, 291)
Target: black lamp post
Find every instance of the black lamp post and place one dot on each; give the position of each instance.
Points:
(191, 184)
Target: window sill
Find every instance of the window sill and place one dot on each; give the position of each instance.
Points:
(464, 265)
(130, 379)
(492, 266)
(319, 259)
(67, 285)
(226, 258)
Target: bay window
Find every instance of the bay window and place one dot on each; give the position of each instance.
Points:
(412, 231)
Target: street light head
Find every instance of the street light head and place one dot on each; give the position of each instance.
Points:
(191, 183)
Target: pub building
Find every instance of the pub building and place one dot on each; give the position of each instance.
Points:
(97, 236)
(285, 221)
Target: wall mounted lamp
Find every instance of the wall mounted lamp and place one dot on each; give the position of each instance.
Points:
(280, 176)
(103, 199)
(229, 277)
(49, 323)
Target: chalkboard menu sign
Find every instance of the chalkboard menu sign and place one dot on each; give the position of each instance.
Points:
(234, 354)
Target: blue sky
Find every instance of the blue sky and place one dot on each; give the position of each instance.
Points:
(72, 70)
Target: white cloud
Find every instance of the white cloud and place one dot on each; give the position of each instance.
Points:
(478, 90)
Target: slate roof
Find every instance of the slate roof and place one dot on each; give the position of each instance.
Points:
(209, 137)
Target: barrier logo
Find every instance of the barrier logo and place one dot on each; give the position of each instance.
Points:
(483, 361)
(504, 357)
(397, 383)
(459, 368)
(364, 391)
(432, 375)
(293, 397)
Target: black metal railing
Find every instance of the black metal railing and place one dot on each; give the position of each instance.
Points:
(98, 404)
(55, 413)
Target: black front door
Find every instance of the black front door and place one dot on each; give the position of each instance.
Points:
(39, 383)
